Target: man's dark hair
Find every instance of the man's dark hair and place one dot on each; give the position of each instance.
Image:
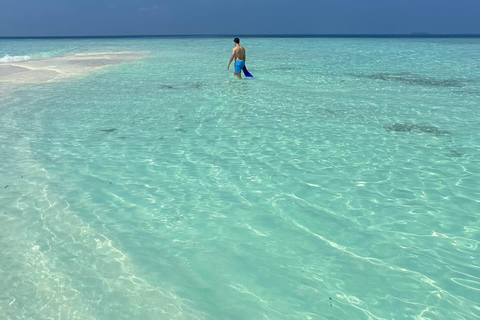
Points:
(236, 40)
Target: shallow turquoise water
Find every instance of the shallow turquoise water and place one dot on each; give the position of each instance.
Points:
(341, 182)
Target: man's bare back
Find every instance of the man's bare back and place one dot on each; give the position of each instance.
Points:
(239, 53)
(239, 56)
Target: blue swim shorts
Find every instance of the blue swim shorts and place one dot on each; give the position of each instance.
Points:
(239, 64)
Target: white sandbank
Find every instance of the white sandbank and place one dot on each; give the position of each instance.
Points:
(58, 68)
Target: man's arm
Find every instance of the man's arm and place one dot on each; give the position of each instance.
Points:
(231, 58)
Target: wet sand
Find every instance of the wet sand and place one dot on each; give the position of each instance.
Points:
(57, 68)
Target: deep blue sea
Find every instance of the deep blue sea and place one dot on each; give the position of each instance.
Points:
(341, 182)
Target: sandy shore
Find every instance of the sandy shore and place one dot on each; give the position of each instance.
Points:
(57, 68)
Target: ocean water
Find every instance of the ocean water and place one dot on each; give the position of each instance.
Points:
(341, 182)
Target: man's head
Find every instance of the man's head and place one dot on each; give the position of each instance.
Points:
(236, 40)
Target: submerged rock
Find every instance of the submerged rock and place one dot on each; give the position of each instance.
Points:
(411, 127)
(455, 154)
(413, 79)
(181, 86)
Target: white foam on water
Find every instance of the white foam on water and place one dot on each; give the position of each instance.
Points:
(7, 58)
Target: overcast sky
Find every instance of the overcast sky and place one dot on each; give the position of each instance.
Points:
(165, 17)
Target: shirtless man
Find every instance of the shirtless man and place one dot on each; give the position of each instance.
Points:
(238, 53)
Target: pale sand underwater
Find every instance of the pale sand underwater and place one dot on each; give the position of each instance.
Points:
(140, 179)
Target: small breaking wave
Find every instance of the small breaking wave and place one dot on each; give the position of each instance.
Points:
(37, 55)
(8, 58)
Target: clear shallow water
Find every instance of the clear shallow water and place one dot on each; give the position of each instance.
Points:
(341, 182)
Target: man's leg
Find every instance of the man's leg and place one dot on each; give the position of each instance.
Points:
(238, 70)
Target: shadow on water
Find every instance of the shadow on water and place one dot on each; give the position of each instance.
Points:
(413, 79)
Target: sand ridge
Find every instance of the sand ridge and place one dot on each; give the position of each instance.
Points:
(58, 68)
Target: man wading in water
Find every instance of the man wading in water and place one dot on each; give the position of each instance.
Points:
(238, 53)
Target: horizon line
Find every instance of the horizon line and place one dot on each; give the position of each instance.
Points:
(260, 35)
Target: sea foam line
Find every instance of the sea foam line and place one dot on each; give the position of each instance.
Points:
(8, 58)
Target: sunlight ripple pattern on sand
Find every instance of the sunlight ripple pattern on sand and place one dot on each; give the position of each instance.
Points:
(341, 182)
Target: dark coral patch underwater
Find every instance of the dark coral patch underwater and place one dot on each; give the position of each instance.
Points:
(411, 127)
(413, 79)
